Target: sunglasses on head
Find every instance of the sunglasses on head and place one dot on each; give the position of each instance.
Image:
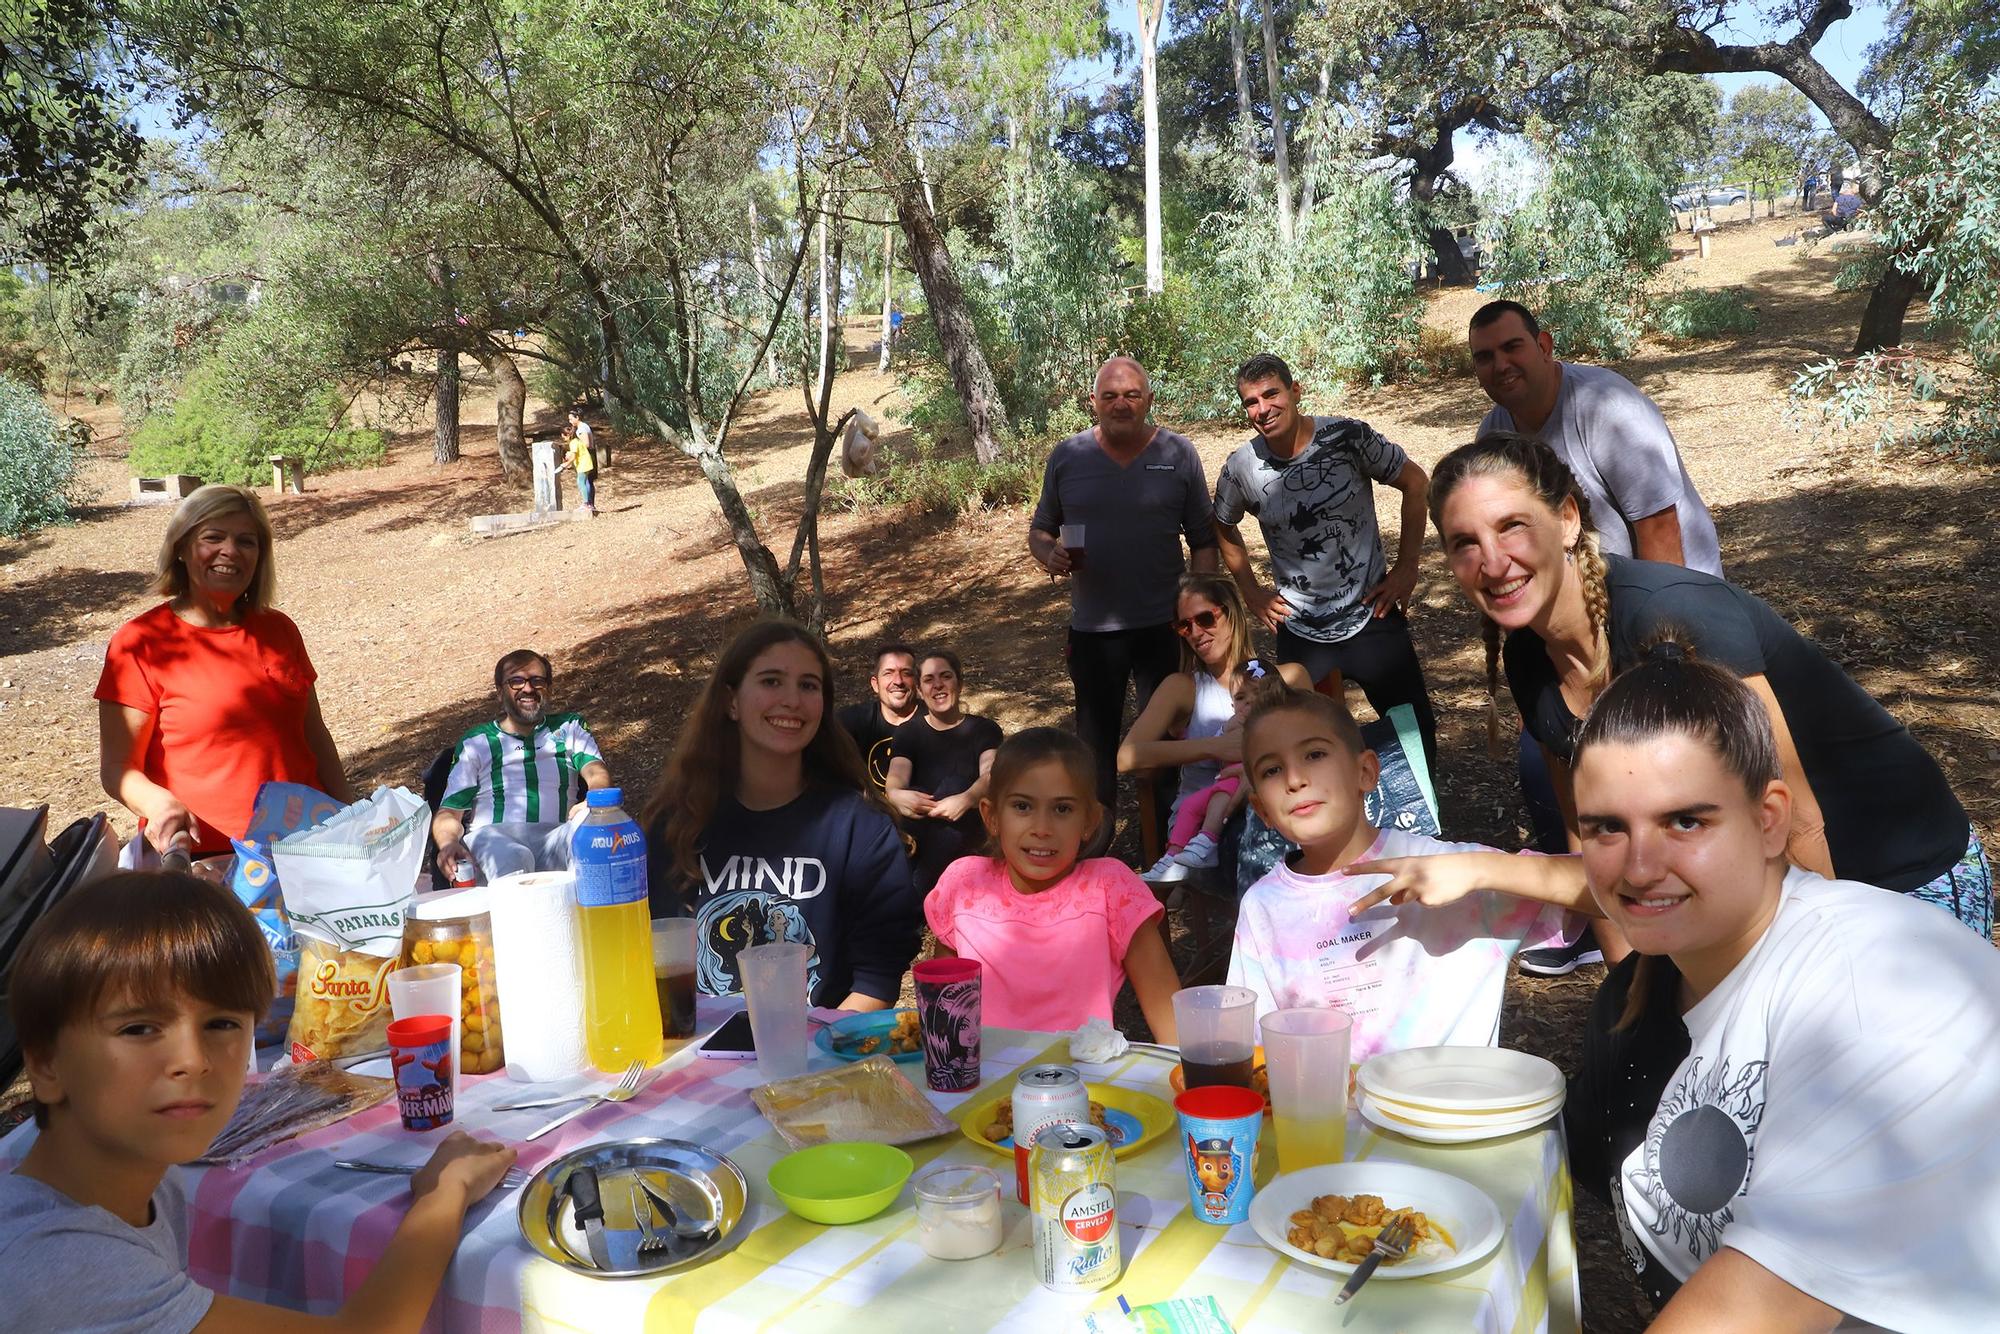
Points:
(1202, 620)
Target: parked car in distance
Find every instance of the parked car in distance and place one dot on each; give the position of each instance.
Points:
(1696, 196)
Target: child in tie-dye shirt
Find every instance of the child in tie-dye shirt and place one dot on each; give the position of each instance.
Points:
(1309, 934)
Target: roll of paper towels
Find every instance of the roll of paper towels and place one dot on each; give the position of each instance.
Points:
(540, 964)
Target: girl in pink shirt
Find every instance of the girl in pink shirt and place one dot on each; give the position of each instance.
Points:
(1057, 937)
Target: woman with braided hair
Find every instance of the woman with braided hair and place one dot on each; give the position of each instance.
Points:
(1868, 802)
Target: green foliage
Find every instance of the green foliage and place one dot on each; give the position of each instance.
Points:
(1770, 136)
(936, 483)
(208, 432)
(66, 149)
(170, 334)
(1940, 223)
(38, 465)
(19, 358)
(1583, 246)
(1336, 303)
(1704, 312)
(1059, 299)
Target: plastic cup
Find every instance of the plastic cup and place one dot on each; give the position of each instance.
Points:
(421, 1054)
(1218, 1031)
(1305, 1054)
(673, 974)
(958, 1212)
(948, 994)
(1219, 1126)
(774, 984)
(1071, 537)
(430, 988)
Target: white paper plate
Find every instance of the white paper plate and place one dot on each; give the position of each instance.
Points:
(1376, 1116)
(1449, 1120)
(1464, 1079)
(1459, 1207)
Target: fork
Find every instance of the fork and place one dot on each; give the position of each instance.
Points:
(626, 1088)
(1391, 1243)
(514, 1179)
(652, 1245)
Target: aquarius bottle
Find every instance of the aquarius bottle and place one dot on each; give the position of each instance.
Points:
(621, 1007)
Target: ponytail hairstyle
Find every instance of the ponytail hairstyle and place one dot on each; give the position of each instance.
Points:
(707, 760)
(1669, 693)
(1542, 472)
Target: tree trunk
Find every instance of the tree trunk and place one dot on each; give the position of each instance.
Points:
(1246, 125)
(763, 278)
(1274, 79)
(444, 449)
(445, 446)
(888, 295)
(1316, 118)
(1150, 12)
(1888, 306)
(510, 400)
(950, 316)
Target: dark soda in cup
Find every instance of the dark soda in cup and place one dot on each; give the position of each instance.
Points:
(676, 988)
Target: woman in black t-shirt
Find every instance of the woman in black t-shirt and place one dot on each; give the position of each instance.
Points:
(938, 773)
(1870, 804)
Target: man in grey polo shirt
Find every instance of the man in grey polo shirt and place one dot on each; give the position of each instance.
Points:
(1611, 435)
(1135, 490)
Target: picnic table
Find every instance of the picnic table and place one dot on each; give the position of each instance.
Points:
(291, 1229)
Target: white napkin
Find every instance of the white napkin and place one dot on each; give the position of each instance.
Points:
(540, 975)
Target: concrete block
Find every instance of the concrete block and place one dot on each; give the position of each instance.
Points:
(167, 490)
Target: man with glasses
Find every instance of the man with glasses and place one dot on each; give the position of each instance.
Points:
(1116, 502)
(1339, 609)
(507, 802)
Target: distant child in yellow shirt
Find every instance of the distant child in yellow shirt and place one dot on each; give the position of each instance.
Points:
(582, 457)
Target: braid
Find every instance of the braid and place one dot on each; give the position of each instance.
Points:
(1597, 602)
(1489, 630)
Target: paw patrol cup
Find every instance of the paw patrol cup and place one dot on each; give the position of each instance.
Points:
(1218, 1127)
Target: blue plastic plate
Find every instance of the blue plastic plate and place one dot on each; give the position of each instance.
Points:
(842, 1039)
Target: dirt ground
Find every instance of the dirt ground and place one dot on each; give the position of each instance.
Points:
(1888, 562)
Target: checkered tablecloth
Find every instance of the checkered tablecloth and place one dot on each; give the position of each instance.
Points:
(292, 1229)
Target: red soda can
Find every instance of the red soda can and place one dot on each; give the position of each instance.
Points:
(1043, 1096)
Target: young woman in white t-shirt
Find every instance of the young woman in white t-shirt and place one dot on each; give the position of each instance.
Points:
(1822, 1156)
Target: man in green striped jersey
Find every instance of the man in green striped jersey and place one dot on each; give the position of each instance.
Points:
(508, 802)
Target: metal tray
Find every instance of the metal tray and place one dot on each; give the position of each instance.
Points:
(703, 1186)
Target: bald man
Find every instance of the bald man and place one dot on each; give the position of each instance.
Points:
(1127, 492)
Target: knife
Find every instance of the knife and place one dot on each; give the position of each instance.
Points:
(589, 1213)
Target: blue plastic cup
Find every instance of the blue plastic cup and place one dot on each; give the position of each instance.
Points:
(1219, 1128)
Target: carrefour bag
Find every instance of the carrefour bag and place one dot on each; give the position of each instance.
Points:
(347, 882)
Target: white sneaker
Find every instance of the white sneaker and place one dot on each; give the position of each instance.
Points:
(1166, 871)
(1200, 853)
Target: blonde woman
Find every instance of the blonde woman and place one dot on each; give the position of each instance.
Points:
(209, 695)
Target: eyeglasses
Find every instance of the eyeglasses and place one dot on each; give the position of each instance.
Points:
(527, 683)
(1204, 620)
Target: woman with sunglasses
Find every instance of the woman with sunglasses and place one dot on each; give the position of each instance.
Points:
(1186, 724)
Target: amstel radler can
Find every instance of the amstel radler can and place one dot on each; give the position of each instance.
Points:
(1044, 1095)
(1075, 1203)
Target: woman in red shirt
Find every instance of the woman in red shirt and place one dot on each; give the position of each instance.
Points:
(210, 694)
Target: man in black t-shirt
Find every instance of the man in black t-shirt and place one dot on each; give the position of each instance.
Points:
(873, 722)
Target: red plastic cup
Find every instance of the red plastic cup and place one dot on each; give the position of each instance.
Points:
(948, 992)
(420, 1053)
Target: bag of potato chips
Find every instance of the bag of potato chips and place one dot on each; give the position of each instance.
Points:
(347, 882)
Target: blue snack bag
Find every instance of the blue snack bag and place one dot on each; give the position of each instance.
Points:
(280, 809)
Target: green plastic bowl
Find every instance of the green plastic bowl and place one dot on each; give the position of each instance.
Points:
(840, 1183)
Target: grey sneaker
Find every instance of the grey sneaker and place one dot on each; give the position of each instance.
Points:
(1560, 960)
(1166, 871)
(1199, 854)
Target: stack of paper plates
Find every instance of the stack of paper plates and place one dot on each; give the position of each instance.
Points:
(1455, 1095)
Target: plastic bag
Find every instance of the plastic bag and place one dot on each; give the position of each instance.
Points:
(347, 882)
(857, 449)
(280, 809)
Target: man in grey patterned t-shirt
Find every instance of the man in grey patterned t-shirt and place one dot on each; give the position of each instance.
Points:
(1339, 608)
